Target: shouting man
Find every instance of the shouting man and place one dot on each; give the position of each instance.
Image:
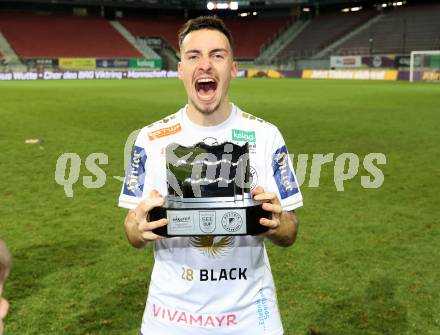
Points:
(210, 284)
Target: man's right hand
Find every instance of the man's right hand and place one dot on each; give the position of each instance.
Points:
(4, 306)
(137, 226)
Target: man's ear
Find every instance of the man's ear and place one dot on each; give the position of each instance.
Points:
(234, 70)
(180, 70)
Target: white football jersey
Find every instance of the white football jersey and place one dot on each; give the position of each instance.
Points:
(211, 285)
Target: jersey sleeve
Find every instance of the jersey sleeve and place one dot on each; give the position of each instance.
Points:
(282, 179)
(135, 180)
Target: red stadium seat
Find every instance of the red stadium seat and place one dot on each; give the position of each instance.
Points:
(46, 36)
(249, 33)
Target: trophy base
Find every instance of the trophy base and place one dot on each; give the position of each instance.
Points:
(218, 221)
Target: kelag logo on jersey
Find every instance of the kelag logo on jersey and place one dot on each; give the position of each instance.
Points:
(134, 180)
(283, 175)
(243, 136)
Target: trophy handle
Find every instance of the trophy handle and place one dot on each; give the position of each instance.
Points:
(253, 216)
(158, 213)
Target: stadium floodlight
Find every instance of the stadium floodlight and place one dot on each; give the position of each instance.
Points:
(352, 9)
(214, 5)
(424, 65)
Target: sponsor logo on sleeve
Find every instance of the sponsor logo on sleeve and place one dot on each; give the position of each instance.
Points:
(243, 136)
(283, 174)
(163, 132)
(135, 177)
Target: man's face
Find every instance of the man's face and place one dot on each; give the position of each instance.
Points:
(206, 69)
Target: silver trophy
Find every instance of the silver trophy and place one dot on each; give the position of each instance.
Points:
(209, 192)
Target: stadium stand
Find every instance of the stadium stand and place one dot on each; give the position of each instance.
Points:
(45, 36)
(322, 31)
(2, 59)
(399, 31)
(154, 27)
(250, 34)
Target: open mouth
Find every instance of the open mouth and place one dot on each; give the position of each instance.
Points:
(206, 88)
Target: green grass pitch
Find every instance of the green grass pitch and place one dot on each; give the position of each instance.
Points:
(366, 261)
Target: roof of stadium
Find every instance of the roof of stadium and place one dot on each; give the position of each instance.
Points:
(201, 4)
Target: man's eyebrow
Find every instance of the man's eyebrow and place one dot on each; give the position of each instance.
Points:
(192, 51)
(219, 50)
(212, 51)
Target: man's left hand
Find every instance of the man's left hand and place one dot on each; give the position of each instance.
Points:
(282, 225)
(271, 204)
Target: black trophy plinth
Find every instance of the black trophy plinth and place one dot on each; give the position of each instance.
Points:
(209, 192)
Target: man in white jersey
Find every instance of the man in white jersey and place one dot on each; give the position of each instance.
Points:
(210, 285)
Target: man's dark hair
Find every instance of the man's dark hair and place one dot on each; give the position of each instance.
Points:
(204, 22)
